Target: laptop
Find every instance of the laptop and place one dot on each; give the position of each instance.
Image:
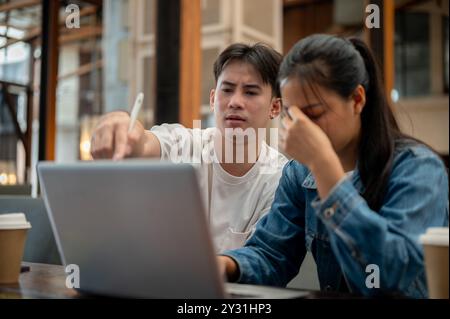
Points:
(137, 229)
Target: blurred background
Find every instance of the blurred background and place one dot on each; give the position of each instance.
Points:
(65, 63)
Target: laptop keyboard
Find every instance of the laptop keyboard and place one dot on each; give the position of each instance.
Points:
(257, 292)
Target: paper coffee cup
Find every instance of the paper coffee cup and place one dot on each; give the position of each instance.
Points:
(13, 232)
(435, 246)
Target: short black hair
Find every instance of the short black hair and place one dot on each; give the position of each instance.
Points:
(262, 57)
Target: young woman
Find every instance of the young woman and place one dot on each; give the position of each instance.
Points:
(357, 194)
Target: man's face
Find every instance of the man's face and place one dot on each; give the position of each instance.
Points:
(241, 99)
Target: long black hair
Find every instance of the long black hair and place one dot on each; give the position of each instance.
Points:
(341, 65)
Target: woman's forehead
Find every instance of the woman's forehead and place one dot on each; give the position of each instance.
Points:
(294, 88)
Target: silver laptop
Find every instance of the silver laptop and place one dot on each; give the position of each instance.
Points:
(137, 229)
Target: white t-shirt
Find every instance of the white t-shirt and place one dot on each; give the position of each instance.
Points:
(237, 203)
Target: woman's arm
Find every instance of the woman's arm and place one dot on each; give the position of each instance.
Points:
(365, 241)
(274, 253)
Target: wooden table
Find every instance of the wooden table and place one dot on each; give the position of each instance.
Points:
(49, 282)
(42, 281)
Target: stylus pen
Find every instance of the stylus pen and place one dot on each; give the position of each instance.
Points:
(135, 110)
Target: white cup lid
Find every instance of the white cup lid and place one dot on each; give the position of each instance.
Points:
(14, 221)
(435, 236)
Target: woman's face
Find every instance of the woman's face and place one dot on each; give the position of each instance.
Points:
(339, 118)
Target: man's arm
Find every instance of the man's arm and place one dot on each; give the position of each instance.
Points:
(111, 138)
(152, 146)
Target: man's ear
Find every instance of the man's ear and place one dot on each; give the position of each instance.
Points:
(275, 107)
(212, 94)
(359, 99)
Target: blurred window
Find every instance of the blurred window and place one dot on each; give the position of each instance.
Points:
(412, 54)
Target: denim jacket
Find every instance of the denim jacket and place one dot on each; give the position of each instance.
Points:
(350, 242)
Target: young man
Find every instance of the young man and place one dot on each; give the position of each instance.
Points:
(238, 172)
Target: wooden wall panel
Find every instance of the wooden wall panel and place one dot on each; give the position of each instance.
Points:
(301, 19)
(190, 62)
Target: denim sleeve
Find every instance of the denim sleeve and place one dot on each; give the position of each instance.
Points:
(416, 198)
(273, 255)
